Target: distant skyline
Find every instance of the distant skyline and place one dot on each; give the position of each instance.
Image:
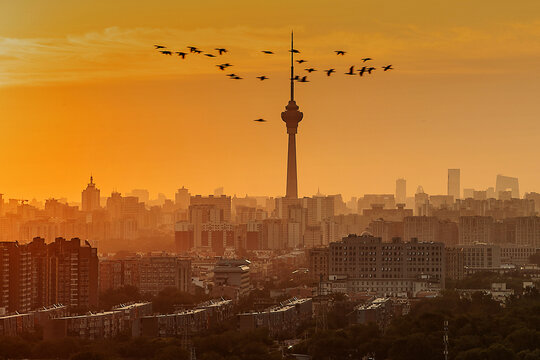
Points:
(82, 91)
(169, 193)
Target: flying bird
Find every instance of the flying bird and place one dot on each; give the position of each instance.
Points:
(351, 71)
(362, 70)
(197, 51)
(310, 70)
(166, 52)
(301, 61)
(232, 75)
(370, 69)
(182, 54)
(237, 78)
(221, 50)
(210, 55)
(388, 67)
(268, 52)
(340, 52)
(330, 71)
(294, 51)
(366, 59)
(262, 77)
(303, 79)
(296, 78)
(159, 46)
(223, 66)
(259, 120)
(192, 49)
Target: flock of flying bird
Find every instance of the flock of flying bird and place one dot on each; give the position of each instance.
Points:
(365, 68)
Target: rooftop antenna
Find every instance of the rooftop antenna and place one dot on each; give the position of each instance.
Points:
(292, 67)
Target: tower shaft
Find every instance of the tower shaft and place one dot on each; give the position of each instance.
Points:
(292, 184)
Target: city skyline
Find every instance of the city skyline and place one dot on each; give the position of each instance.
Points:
(139, 119)
(157, 194)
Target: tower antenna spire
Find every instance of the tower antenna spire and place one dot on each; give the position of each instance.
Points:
(292, 67)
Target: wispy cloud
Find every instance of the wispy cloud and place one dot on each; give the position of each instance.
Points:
(127, 53)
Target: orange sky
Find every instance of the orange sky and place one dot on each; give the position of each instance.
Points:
(82, 91)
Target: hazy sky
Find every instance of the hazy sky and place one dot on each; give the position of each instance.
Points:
(82, 91)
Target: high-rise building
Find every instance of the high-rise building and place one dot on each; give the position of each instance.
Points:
(291, 116)
(454, 187)
(15, 277)
(90, 197)
(421, 202)
(505, 183)
(182, 198)
(401, 191)
(38, 274)
(72, 273)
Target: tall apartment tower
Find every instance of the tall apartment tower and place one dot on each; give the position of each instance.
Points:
(454, 187)
(401, 191)
(15, 277)
(72, 273)
(90, 197)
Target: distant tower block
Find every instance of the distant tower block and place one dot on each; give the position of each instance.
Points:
(401, 191)
(454, 187)
(292, 117)
(505, 183)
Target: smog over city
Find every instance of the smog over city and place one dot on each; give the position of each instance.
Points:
(309, 180)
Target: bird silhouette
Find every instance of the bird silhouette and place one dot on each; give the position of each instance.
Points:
(192, 49)
(340, 52)
(301, 61)
(260, 120)
(221, 51)
(388, 67)
(351, 71)
(232, 75)
(182, 54)
(296, 78)
(223, 66)
(159, 46)
(330, 71)
(262, 77)
(303, 79)
(268, 52)
(370, 69)
(294, 51)
(197, 51)
(366, 59)
(237, 78)
(310, 70)
(210, 55)
(362, 71)
(166, 52)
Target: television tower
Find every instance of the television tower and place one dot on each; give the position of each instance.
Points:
(291, 116)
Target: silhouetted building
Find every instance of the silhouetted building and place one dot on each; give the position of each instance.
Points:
(401, 191)
(182, 198)
(15, 277)
(454, 187)
(506, 182)
(90, 197)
